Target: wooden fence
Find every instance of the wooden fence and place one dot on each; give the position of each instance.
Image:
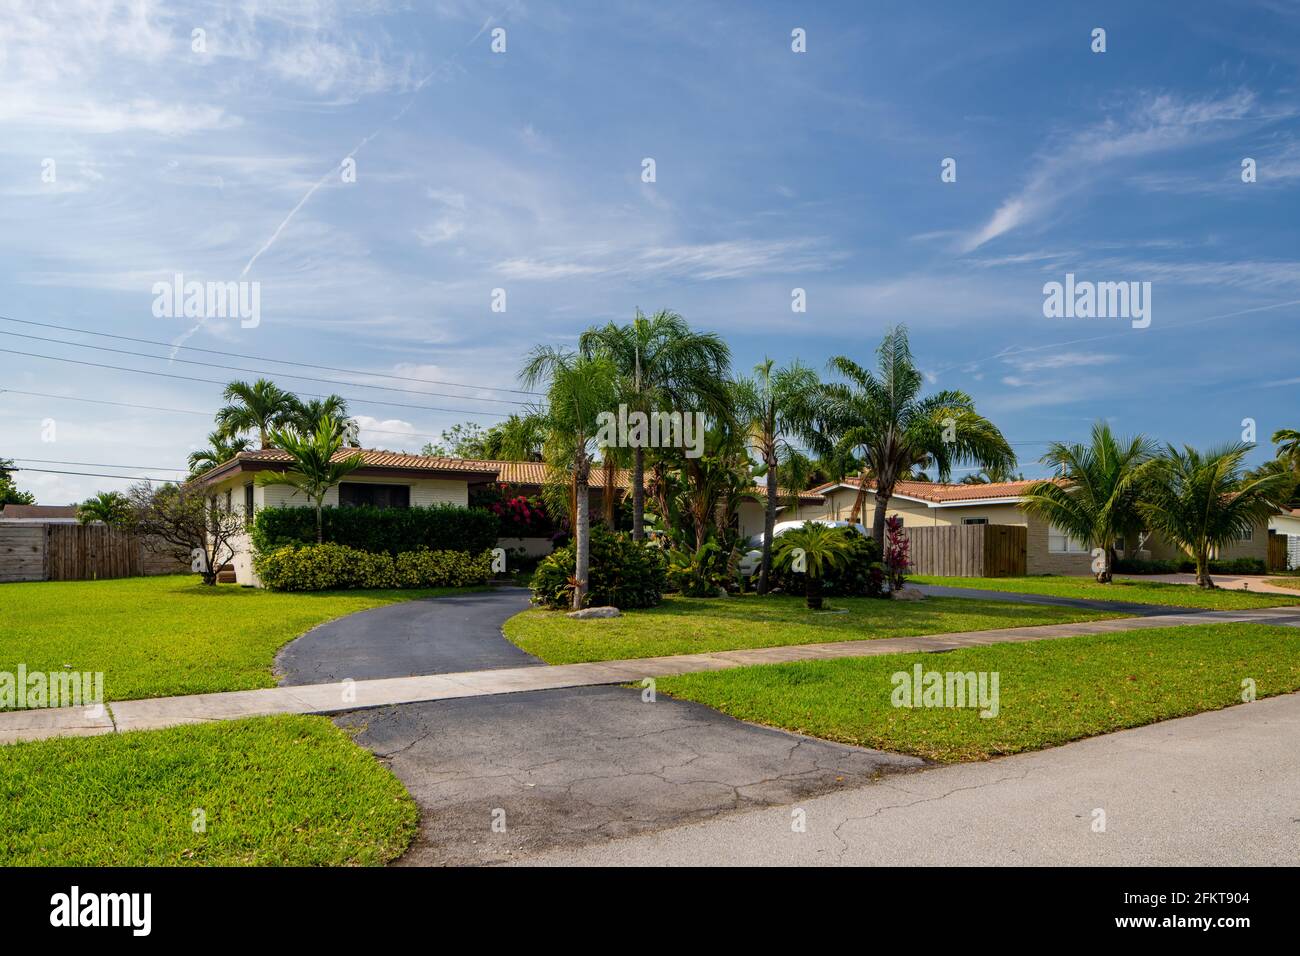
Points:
(70, 552)
(1277, 552)
(969, 551)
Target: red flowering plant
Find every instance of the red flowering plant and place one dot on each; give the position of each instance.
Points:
(897, 553)
(521, 516)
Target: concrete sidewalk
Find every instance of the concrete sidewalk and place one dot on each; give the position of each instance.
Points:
(337, 697)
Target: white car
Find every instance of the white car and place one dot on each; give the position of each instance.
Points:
(749, 564)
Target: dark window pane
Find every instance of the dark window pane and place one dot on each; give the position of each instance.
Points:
(355, 494)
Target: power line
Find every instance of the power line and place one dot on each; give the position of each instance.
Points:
(242, 355)
(211, 381)
(254, 371)
(101, 464)
(93, 474)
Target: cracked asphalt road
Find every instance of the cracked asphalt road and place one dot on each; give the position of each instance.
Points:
(1220, 788)
(584, 766)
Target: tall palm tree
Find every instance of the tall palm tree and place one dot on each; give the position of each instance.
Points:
(578, 389)
(1288, 446)
(663, 364)
(220, 450)
(1096, 503)
(1202, 502)
(883, 418)
(110, 507)
(261, 407)
(992, 476)
(772, 407)
(331, 408)
(315, 470)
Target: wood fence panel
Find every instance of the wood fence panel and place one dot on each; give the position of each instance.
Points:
(22, 552)
(968, 551)
(1277, 552)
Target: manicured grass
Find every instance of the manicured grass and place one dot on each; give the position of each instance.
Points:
(697, 625)
(157, 637)
(1050, 692)
(1121, 589)
(274, 791)
(1291, 582)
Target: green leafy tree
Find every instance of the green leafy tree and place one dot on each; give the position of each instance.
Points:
(812, 549)
(315, 469)
(111, 507)
(220, 450)
(884, 419)
(9, 493)
(261, 407)
(1094, 499)
(578, 388)
(662, 365)
(1201, 501)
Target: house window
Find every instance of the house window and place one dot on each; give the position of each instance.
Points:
(974, 520)
(1058, 542)
(356, 494)
(248, 505)
(1247, 535)
(229, 500)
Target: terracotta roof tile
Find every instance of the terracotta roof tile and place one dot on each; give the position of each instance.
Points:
(38, 511)
(943, 493)
(379, 458)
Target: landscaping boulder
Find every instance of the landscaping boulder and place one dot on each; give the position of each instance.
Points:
(907, 594)
(593, 612)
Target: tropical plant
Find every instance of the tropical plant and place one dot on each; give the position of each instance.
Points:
(898, 550)
(9, 493)
(315, 470)
(1095, 495)
(111, 507)
(1201, 502)
(1288, 446)
(772, 407)
(578, 389)
(333, 409)
(992, 476)
(261, 407)
(812, 549)
(179, 520)
(662, 365)
(220, 450)
(700, 573)
(883, 418)
(624, 573)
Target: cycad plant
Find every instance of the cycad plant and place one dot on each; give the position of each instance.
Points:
(1201, 501)
(811, 550)
(1094, 497)
(314, 471)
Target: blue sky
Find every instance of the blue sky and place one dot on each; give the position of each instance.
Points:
(522, 170)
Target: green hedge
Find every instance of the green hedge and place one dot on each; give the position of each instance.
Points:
(328, 567)
(1186, 565)
(623, 573)
(863, 574)
(389, 530)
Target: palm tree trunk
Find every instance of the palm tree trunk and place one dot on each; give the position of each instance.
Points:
(638, 493)
(320, 531)
(1203, 579)
(582, 537)
(860, 498)
(878, 522)
(813, 592)
(769, 523)
(609, 493)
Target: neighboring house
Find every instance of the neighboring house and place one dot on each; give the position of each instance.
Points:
(1048, 551)
(1287, 524)
(39, 514)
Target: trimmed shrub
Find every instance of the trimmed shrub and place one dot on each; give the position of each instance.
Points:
(323, 567)
(388, 530)
(1186, 566)
(863, 574)
(623, 573)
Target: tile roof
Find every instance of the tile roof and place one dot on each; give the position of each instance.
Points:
(38, 511)
(938, 493)
(534, 473)
(379, 458)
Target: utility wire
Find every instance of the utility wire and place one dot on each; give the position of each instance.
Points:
(101, 464)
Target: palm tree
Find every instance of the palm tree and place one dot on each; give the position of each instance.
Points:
(1288, 446)
(331, 408)
(262, 407)
(663, 365)
(315, 470)
(884, 419)
(1202, 502)
(220, 450)
(110, 507)
(992, 476)
(812, 549)
(1096, 502)
(578, 389)
(771, 408)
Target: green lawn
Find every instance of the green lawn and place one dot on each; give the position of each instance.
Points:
(274, 791)
(697, 625)
(157, 637)
(1121, 589)
(1050, 692)
(1290, 582)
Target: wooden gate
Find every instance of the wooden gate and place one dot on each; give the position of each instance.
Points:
(969, 551)
(1277, 552)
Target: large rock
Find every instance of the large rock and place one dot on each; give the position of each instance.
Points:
(593, 612)
(907, 594)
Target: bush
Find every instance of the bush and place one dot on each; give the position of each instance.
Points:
(1186, 565)
(322, 567)
(623, 573)
(863, 574)
(388, 530)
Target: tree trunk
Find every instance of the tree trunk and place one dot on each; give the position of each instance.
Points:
(878, 521)
(1203, 579)
(860, 498)
(638, 493)
(812, 590)
(320, 530)
(769, 523)
(609, 494)
(582, 537)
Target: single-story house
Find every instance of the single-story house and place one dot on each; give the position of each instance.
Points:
(1286, 523)
(39, 514)
(1048, 550)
